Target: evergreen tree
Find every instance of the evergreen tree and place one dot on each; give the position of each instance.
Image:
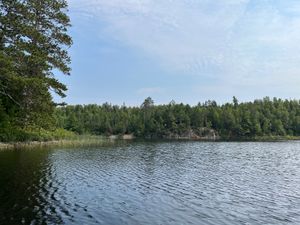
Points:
(241, 120)
(33, 42)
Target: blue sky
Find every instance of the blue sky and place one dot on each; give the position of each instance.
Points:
(183, 50)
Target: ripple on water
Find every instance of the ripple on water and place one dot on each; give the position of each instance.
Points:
(153, 183)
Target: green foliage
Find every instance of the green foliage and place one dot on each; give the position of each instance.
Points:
(33, 42)
(22, 135)
(232, 120)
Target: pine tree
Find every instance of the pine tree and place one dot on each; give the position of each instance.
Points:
(34, 42)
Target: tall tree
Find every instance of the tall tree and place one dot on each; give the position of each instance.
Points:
(34, 40)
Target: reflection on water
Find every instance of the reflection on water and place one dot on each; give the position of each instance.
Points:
(153, 183)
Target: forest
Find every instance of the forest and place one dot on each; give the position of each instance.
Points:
(34, 42)
(261, 118)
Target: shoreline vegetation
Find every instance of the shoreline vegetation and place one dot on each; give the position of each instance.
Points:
(74, 141)
(95, 141)
(261, 120)
(265, 119)
(78, 142)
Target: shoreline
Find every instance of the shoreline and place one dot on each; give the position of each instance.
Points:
(57, 143)
(83, 141)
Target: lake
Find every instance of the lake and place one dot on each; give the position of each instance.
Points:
(153, 183)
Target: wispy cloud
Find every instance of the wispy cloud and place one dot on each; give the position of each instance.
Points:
(238, 41)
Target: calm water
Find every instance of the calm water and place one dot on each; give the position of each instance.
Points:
(153, 183)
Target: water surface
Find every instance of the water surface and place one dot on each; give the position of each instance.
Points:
(153, 183)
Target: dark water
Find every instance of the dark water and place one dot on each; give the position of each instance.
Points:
(153, 183)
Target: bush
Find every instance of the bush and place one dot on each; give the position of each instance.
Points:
(21, 135)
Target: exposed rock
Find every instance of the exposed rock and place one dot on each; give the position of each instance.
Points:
(196, 134)
(128, 137)
(113, 137)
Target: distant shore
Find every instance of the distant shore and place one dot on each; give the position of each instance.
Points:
(86, 140)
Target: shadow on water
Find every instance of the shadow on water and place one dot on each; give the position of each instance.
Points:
(24, 176)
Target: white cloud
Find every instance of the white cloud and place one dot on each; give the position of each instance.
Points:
(238, 41)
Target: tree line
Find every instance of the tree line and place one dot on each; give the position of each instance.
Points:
(266, 117)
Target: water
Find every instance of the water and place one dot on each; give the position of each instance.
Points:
(153, 183)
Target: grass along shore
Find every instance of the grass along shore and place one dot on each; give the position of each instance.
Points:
(58, 138)
(77, 141)
(94, 140)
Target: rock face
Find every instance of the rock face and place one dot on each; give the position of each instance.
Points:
(128, 137)
(202, 133)
(124, 137)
